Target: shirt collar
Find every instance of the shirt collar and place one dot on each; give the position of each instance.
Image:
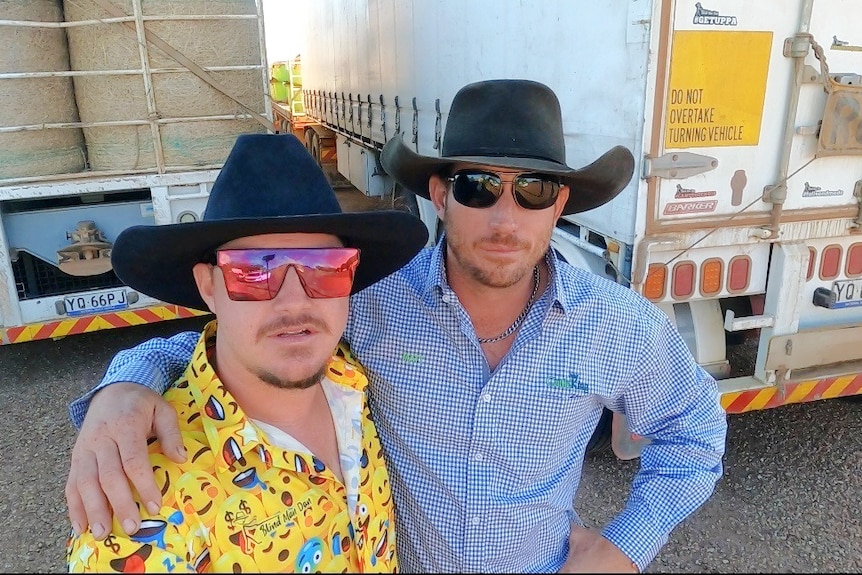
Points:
(559, 295)
(436, 283)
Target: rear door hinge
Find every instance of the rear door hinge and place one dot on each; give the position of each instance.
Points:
(678, 165)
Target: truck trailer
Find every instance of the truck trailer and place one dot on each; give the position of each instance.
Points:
(743, 221)
(113, 113)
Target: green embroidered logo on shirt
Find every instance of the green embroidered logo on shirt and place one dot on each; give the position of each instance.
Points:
(572, 382)
(411, 358)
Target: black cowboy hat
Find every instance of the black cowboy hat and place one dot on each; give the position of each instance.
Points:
(269, 184)
(511, 124)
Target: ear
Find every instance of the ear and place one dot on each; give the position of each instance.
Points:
(438, 190)
(562, 198)
(206, 287)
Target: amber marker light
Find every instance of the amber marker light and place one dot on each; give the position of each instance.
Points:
(656, 280)
(710, 276)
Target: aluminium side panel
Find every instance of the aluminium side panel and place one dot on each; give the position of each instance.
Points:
(594, 55)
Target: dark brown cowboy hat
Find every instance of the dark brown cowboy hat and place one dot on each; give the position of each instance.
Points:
(269, 184)
(511, 124)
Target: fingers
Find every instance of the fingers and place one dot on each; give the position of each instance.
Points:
(74, 502)
(111, 444)
(590, 552)
(167, 429)
(115, 484)
(136, 462)
(133, 465)
(84, 496)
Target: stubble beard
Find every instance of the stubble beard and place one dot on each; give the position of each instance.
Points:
(280, 383)
(286, 322)
(495, 277)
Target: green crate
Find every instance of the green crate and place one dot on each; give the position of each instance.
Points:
(279, 91)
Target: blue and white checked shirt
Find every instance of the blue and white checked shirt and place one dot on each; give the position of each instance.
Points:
(485, 465)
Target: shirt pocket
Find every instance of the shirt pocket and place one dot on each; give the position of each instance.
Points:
(410, 383)
(541, 431)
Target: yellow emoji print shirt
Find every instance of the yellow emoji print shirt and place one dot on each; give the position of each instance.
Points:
(250, 498)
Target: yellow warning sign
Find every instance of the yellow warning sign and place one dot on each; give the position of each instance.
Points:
(716, 88)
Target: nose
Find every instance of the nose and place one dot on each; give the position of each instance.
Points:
(291, 293)
(504, 211)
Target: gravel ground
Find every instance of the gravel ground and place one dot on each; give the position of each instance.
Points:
(789, 502)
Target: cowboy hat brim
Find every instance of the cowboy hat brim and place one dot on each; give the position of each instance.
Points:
(591, 186)
(158, 260)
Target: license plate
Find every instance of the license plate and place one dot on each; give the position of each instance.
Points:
(848, 293)
(90, 303)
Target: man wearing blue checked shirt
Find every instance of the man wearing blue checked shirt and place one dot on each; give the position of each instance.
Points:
(490, 361)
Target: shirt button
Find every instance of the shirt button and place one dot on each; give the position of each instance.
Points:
(486, 398)
(476, 521)
(478, 457)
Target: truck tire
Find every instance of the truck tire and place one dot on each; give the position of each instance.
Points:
(308, 138)
(315, 148)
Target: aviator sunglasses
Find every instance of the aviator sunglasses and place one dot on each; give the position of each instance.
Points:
(480, 189)
(258, 274)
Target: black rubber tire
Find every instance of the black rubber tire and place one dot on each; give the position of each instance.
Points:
(315, 148)
(309, 134)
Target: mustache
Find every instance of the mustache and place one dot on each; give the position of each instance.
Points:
(289, 322)
(505, 240)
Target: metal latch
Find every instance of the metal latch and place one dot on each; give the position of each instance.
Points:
(731, 323)
(797, 46)
(678, 165)
(88, 255)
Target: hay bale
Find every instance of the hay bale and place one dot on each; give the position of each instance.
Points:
(208, 144)
(176, 94)
(31, 101)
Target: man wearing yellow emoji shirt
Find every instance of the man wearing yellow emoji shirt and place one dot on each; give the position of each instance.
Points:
(284, 469)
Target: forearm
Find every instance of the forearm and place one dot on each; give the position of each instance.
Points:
(676, 405)
(659, 501)
(679, 470)
(155, 363)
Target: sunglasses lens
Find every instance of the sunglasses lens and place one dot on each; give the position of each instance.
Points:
(258, 274)
(535, 192)
(476, 189)
(483, 189)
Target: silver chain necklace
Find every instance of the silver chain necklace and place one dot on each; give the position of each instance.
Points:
(521, 317)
